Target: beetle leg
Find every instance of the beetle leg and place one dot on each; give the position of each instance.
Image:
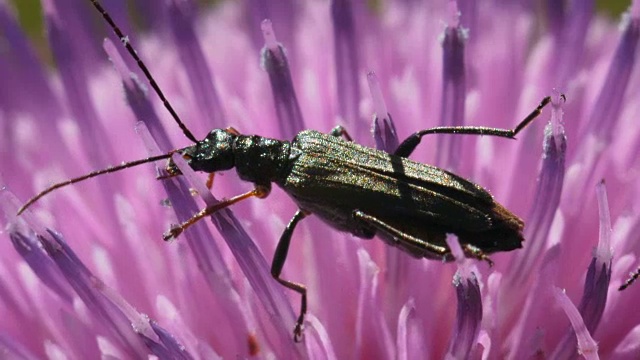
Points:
(399, 236)
(476, 252)
(409, 144)
(632, 278)
(166, 176)
(210, 180)
(231, 130)
(260, 192)
(169, 176)
(339, 131)
(279, 258)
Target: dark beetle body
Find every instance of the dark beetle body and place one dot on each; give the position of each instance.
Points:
(332, 178)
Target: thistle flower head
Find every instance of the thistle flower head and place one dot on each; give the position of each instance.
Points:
(84, 271)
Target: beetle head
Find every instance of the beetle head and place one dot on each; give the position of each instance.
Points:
(213, 153)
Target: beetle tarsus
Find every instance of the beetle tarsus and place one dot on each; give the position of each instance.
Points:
(298, 331)
(477, 253)
(173, 233)
(632, 278)
(340, 131)
(166, 176)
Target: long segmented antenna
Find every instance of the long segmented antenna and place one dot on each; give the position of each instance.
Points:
(144, 69)
(93, 174)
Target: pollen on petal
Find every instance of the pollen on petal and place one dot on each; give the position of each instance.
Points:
(346, 61)
(384, 131)
(269, 36)
(274, 60)
(452, 111)
(199, 72)
(469, 309)
(603, 251)
(587, 347)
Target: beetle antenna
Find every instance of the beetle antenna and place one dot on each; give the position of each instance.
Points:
(110, 169)
(144, 69)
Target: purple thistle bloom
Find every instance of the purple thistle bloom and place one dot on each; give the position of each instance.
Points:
(84, 272)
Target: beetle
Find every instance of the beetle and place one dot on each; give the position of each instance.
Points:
(352, 188)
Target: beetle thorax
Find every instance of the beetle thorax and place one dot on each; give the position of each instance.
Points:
(260, 160)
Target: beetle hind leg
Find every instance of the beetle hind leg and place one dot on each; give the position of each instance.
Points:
(476, 253)
(410, 143)
(410, 244)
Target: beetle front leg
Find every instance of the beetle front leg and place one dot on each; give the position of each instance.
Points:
(279, 258)
(399, 236)
(261, 191)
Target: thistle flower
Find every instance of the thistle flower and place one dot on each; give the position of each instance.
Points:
(84, 272)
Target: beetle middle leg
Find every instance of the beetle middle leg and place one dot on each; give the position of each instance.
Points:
(279, 258)
(340, 131)
(410, 143)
